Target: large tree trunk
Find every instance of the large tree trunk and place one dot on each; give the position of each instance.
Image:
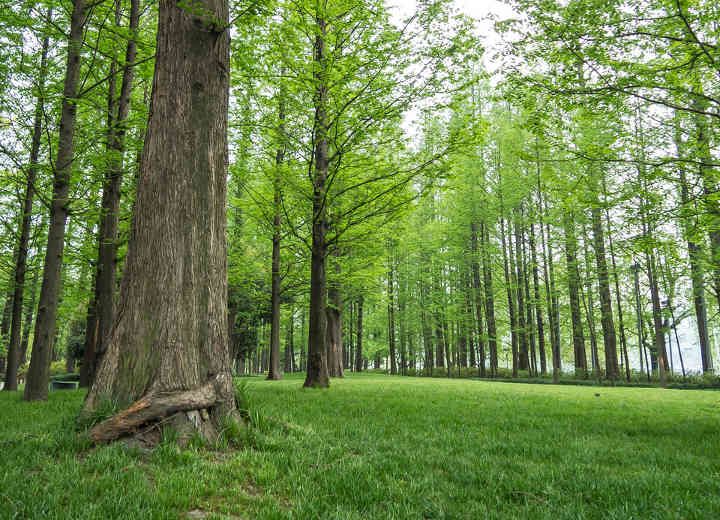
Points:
(317, 368)
(573, 280)
(13, 354)
(105, 276)
(36, 387)
(168, 352)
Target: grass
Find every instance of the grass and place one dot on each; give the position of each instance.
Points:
(386, 447)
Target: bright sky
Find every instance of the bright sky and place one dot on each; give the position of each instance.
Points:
(478, 9)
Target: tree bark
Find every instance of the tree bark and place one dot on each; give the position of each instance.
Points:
(14, 347)
(36, 387)
(537, 301)
(606, 314)
(168, 352)
(573, 280)
(317, 367)
(274, 373)
(392, 346)
(489, 300)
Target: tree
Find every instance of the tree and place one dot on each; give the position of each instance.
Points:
(168, 353)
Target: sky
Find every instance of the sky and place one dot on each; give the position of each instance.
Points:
(478, 9)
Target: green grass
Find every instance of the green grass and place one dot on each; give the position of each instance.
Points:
(387, 447)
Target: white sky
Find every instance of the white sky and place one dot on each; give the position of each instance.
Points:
(481, 10)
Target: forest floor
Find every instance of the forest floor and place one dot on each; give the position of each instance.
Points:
(385, 447)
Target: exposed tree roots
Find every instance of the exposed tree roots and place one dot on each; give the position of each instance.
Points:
(188, 407)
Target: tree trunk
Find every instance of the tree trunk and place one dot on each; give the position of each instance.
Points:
(587, 297)
(36, 387)
(391, 315)
(317, 367)
(168, 353)
(478, 297)
(697, 275)
(334, 324)
(606, 315)
(518, 271)
(537, 301)
(106, 274)
(489, 300)
(573, 280)
(511, 300)
(29, 313)
(274, 373)
(359, 337)
(14, 353)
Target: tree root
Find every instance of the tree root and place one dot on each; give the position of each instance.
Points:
(155, 407)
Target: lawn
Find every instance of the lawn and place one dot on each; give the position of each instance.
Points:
(386, 447)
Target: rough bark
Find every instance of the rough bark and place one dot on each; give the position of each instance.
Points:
(169, 342)
(392, 345)
(317, 368)
(36, 387)
(14, 346)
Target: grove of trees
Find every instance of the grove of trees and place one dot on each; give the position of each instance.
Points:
(200, 188)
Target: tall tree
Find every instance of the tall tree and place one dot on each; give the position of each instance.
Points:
(168, 354)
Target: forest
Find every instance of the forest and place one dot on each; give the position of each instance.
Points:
(211, 208)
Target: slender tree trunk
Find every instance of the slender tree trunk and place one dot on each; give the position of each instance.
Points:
(29, 313)
(475, 229)
(168, 356)
(489, 300)
(274, 373)
(573, 280)
(334, 323)
(511, 300)
(426, 330)
(517, 264)
(606, 315)
(657, 318)
(14, 347)
(587, 297)
(36, 387)
(618, 301)
(391, 315)
(359, 337)
(317, 366)
(537, 301)
(697, 275)
(103, 312)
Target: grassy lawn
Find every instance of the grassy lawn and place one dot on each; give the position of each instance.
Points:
(386, 447)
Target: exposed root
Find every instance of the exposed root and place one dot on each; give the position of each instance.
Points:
(154, 408)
